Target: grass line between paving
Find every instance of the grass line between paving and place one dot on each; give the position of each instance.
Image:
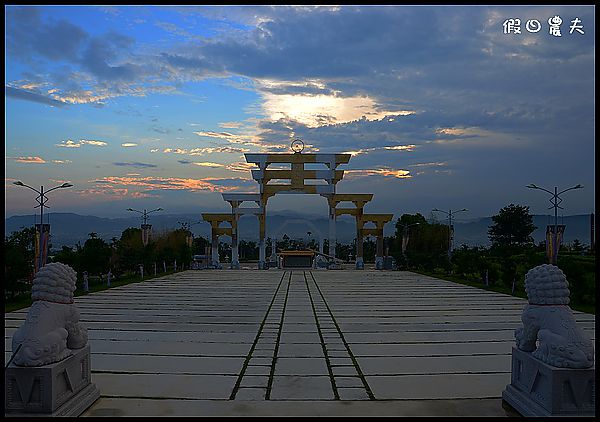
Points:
(274, 361)
(354, 361)
(336, 394)
(238, 382)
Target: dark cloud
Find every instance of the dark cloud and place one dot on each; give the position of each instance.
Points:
(53, 40)
(101, 51)
(22, 94)
(136, 165)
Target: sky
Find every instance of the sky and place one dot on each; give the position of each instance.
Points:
(154, 106)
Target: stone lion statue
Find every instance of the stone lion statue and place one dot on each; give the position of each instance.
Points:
(549, 329)
(52, 327)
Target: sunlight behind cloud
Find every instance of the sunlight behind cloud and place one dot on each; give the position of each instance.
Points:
(320, 110)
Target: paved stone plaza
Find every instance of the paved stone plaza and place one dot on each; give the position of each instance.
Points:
(249, 342)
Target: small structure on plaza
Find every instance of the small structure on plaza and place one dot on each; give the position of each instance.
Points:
(296, 177)
(553, 362)
(297, 259)
(49, 372)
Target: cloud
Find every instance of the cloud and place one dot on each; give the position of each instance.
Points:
(136, 164)
(157, 184)
(54, 40)
(28, 160)
(129, 144)
(230, 125)
(62, 161)
(21, 94)
(208, 164)
(72, 144)
(321, 110)
(385, 172)
(206, 150)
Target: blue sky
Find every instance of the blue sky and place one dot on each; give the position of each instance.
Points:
(148, 106)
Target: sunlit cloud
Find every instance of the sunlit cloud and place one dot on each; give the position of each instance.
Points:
(172, 183)
(394, 148)
(432, 164)
(459, 131)
(129, 144)
(401, 147)
(359, 151)
(72, 144)
(206, 150)
(241, 166)
(386, 172)
(321, 110)
(230, 125)
(62, 161)
(28, 160)
(246, 140)
(210, 134)
(208, 164)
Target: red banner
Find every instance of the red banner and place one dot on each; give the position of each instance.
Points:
(550, 253)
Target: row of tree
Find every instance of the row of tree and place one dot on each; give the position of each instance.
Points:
(424, 246)
(512, 253)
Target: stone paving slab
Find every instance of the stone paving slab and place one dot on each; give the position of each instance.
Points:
(163, 385)
(321, 343)
(294, 387)
(110, 406)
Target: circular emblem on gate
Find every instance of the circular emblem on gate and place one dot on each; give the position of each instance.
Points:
(297, 146)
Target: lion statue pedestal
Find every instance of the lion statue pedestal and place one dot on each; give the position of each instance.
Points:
(50, 373)
(553, 371)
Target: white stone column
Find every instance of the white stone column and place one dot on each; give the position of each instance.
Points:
(262, 253)
(235, 260)
(360, 264)
(215, 250)
(262, 246)
(332, 239)
(379, 254)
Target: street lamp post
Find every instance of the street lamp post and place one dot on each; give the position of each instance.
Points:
(145, 228)
(555, 201)
(405, 235)
(450, 213)
(187, 226)
(42, 199)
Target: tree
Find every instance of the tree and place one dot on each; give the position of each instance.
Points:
(512, 226)
(130, 250)
(95, 255)
(18, 261)
(69, 257)
(199, 245)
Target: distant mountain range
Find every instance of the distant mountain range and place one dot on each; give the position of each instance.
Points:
(68, 229)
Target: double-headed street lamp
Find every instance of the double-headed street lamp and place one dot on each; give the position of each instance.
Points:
(186, 225)
(555, 201)
(450, 213)
(145, 227)
(42, 240)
